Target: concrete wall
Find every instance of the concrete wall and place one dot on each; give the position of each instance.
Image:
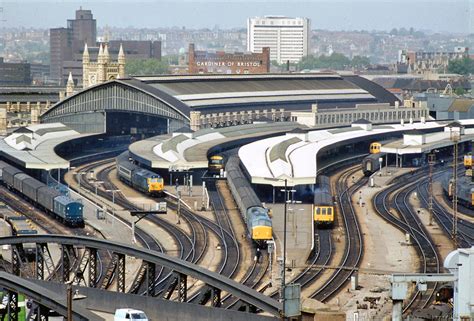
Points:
(156, 309)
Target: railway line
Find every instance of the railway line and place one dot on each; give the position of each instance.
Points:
(444, 217)
(255, 275)
(408, 222)
(51, 226)
(353, 249)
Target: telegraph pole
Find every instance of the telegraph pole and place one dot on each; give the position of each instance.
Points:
(455, 137)
(431, 162)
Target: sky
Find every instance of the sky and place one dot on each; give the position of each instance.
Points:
(434, 15)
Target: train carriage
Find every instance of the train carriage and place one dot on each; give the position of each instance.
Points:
(30, 188)
(46, 197)
(371, 163)
(18, 180)
(8, 175)
(259, 224)
(323, 205)
(2, 166)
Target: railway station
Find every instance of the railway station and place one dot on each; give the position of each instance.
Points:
(212, 197)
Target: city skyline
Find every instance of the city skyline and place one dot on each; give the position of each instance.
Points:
(436, 16)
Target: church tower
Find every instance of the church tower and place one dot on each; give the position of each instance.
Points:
(101, 65)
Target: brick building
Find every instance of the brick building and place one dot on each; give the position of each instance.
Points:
(220, 62)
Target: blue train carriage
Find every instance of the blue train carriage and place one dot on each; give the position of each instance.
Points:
(70, 211)
(147, 181)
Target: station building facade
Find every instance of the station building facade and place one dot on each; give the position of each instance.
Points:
(220, 62)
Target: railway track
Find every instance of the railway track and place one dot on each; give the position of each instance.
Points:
(409, 223)
(183, 241)
(50, 226)
(444, 217)
(256, 273)
(353, 249)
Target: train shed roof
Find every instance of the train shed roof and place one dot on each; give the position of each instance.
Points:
(294, 156)
(189, 150)
(34, 146)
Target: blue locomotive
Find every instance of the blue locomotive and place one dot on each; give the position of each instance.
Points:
(139, 178)
(63, 208)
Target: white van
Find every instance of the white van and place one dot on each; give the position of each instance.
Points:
(130, 314)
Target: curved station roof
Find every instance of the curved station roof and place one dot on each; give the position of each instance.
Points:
(294, 156)
(184, 149)
(33, 146)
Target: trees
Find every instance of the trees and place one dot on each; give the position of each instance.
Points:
(146, 67)
(463, 66)
(335, 61)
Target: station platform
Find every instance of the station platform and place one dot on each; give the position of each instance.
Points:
(299, 232)
(33, 147)
(185, 149)
(296, 156)
(419, 143)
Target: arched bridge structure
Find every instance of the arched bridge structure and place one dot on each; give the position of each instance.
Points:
(79, 258)
(45, 300)
(120, 107)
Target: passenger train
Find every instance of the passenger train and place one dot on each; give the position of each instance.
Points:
(259, 224)
(468, 160)
(374, 147)
(324, 209)
(62, 207)
(215, 164)
(371, 163)
(139, 178)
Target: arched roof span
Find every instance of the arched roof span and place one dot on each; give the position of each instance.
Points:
(120, 95)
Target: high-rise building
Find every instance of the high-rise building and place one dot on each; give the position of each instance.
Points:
(65, 41)
(287, 38)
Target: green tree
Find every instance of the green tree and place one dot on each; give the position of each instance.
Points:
(459, 91)
(335, 61)
(360, 61)
(463, 66)
(146, 67)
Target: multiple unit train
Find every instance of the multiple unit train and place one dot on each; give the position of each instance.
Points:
(323, 207)
(63, 208)
(215, 164)
(139, 178)
(371, 163)
(259, 224)
(468, 160)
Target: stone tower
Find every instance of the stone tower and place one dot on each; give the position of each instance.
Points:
(70, 86)
(104, 69)
(85, 67)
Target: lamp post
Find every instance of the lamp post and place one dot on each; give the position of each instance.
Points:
(96, 184)
(79, 174)
(113, 191)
